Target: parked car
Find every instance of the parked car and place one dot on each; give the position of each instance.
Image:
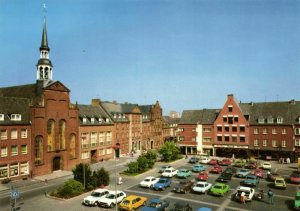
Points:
(193, 160)
(5, 181)
(239, 163)
(251, 165)
(225, 162)
(242, 173)
(295, 177)
(201, 187)
(203, 175)
(219, 189)
(249, 193)
(213, 161)
(93, 199)
(216, 169)
(297, 200)
(224, 177)
(259, 173)
(230, 170)
(272, 176)
(169, 172)
(148, 182)
(204, 159)
(266, 166)
(132, 202)
(110, 199)
(198, 168)
(183, 173)
(183, 187)
(156, 204)
(162, 184)
(163, 168)
(251, 180)
(280, 183)
(181, 206)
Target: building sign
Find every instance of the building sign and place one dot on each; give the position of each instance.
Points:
(232, 146)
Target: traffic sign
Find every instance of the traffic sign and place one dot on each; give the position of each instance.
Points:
(14, 194)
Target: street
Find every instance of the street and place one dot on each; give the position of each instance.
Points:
(283, 199)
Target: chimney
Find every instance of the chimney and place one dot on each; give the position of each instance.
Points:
(96, 102)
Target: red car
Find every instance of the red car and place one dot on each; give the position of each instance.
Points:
(295, 177)
(202, 176)
(213, 161)
(216, 169)
(258, 173)
(225, 162)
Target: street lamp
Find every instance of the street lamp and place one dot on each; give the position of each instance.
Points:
(117, 154)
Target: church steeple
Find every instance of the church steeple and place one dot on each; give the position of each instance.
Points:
(44, 65)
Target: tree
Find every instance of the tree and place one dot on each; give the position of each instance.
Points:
(83, 173)
(69, 189)
(142, 163)
(169, 151)
(151, 156)
(133, 167)
(100, 177)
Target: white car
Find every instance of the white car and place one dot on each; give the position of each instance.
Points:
(93, 199)
(111, 199)
(204, 160)
(267, 166)
(169, 172)
(249, 193)
(148, 182)
(201, 187)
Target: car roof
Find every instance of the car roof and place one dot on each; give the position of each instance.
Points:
(130, 197)
(100, 190)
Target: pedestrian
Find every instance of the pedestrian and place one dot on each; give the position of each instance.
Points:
(288, 161)
(271, 195)
(46, 181)
(243, 197)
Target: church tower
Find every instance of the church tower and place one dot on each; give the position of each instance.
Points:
(44, 65)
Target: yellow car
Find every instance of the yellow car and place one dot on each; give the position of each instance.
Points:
(280, 183)
(132, 202)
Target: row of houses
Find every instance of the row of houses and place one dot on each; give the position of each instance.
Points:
(41, 131)
(267, 130)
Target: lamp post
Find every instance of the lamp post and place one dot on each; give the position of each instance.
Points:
(258, 155)
(117, 153)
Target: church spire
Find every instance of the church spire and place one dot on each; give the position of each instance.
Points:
(44, 65)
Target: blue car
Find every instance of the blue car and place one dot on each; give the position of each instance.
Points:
(198, 168)
(156, 204)
(251, 180)
(162, 184)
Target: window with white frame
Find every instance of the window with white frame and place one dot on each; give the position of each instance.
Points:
(108, 137)
(206, 129)
(180, 129)
(92, 120)
(23, 133)
(255, 130)
(279, 120)
(270, 119)
(24, 168)
(1, 117)
(261, 120)
(3, 171)
(297, 142)
(256, 142)
(101, 152)
(193, 139)
(24, 149)
(274, 131)
(265, 131)
(283, 143)
(265, 142)
(297, 131)
(109, 151)
(84, 120)
(93, 139)
(3, 151)
(14, 134)
(274, 143)
(181, 138)
(84, 140)
(206, 139)
(85, 155)
(14, 169)
(3, 134)
(14, 150)
(193, 129)
(283, 131)
(15, 117)
(101, 138)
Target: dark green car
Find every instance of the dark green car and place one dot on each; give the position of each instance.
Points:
(297, 201)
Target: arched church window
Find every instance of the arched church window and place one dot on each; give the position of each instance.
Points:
(41, 73)
(51, 135)
(72, 147)
(62, 134)
(38, 150)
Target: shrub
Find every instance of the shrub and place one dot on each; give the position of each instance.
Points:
(69, 189)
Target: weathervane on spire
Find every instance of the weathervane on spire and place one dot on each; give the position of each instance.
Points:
(44, 8)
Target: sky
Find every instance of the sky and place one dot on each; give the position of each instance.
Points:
(186, 54)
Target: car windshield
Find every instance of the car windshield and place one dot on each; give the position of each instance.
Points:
(243, 170)
(161, 181)
(126, 202)
(147, 180)
(279, 181)
(218, 187)
(110, 196)
(167, 171)
(95, 194)
(200, 185)
(251, 177)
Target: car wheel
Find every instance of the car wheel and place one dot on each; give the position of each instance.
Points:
(96, 203)
(112, 205)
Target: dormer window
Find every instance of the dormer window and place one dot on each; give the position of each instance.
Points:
(107, 120)
(15, 117)
(123, 116)
(279, 120)
(299, 119)
(270, 120)
(230, 108)
(100, 120)
(84, 119)
(120, 116)
(1, 117)
(261, 120)
(92, 120)
(115, 116)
